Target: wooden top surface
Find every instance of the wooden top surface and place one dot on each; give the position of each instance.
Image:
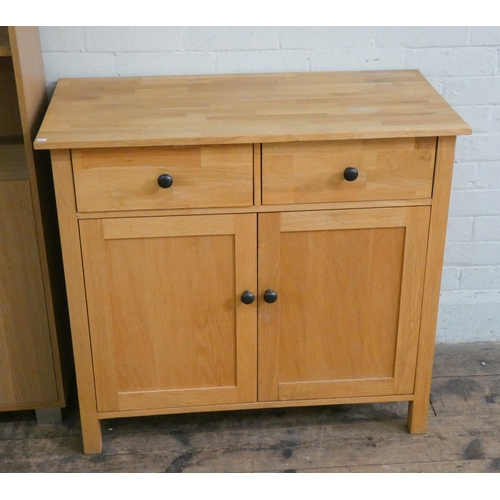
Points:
(230, 109)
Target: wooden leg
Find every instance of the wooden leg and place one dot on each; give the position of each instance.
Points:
(419, 409)
(91, 433)
(49, 416)
(418, 412)
(77, 299)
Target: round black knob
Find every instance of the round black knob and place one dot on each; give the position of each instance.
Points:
(270, 296)
(350, 174)
(165, 181)
(247, 297)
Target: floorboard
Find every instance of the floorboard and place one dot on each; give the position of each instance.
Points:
(463, 433)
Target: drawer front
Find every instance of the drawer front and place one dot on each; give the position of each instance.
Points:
(313, 172)
(127, 178)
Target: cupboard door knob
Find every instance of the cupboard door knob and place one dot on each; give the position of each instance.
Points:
(165, 181)
(270, 296)
(350, 174)
(247, 297)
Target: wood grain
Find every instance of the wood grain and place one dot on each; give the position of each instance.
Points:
(231, 109)
(77, 299)
(463, 435)
(245, 258)
(417, 414)
(358, 281)
(26, 370)
(127, 178)
(257, 175)
(309, 207)
(148, 227)
(30, 78)
(412, 286)
(314, 172)
(13, 163)
(180, 342)
(268, 333)
(30, 95)
(259, 405)
(168, 331)
(24, 101)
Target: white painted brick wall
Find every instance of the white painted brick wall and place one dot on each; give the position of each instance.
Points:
(460, 229)
(485, 35)
(132, 39)
(423, 36)
(322, 37)
(464, 176)
(263, 61)
(488, 175)
(462, 63)
(474, 202)
(472, 91)
(227, 38)
(451, 278)
(479, 278)
(458, 61)
(486, 228)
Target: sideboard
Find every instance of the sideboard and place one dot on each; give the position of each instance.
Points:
(251, 241)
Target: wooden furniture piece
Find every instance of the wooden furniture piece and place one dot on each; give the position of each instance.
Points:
(34, 325)
(251, 241)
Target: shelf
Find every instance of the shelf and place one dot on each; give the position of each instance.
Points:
(13, 163)
(4, 42)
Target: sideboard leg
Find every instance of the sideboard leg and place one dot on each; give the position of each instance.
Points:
(419, 409)
(92, 437)
(418, 412)
(75, 287)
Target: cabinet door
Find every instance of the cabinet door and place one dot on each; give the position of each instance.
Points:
(168, 327)
(349, 286)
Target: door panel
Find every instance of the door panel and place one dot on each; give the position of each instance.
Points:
(349, 292)
(168, 326)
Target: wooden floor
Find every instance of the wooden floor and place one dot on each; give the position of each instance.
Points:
(463, 434)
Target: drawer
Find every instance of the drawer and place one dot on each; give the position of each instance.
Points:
(127, 178)
(313, 172)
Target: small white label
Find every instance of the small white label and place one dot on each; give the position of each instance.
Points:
(41, 139)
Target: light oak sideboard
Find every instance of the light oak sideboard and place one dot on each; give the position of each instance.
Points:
(251, 241)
